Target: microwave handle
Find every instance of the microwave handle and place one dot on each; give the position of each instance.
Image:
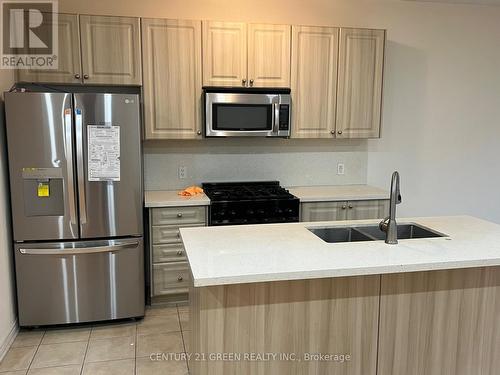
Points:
(276, 118)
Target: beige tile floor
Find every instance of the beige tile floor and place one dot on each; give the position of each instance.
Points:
(121, 348)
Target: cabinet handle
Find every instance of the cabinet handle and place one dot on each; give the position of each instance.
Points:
(251, 82)
(178, 235)
(332, 132)
(339, 132)
(179, 278)
(344, 207)
(243, 82)
(198, 132)
(179, 252)
(350, 206)
(77, 76)
(85, 76)
(179, 215)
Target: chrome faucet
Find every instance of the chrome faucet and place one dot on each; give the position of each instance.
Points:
(389, 225)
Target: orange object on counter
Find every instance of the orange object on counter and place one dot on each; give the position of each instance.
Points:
(191, 191)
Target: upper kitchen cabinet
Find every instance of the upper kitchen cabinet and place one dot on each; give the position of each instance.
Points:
(224, 53)
(268, 55)
(69, 60)
(172, 78)
(236, 54)
(361, 64)
(314, 81)
(111, 50)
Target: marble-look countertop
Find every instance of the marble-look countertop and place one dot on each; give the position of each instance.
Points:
(338, 193)
(304, 193)
(272, 252)
(172, 199)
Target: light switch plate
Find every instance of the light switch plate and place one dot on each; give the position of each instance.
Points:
(182, 172)
(340, 168)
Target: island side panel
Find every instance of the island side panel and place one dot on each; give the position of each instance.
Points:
(440, 322)
(331, 316)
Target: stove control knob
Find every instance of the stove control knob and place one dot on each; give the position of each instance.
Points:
(233, 213)
(250, 212)
(261, 212)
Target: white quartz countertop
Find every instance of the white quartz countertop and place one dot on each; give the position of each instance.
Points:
(338, 193)
(304, 193)
(272, 252)
(172, 199)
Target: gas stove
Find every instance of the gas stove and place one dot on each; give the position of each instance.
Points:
(255, 202)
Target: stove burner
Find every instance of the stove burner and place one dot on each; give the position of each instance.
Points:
(250, 203)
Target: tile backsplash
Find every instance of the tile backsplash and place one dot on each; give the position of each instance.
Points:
(292, 162)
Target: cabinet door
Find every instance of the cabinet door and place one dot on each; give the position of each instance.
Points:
(370, 209)
(323, 211)
(68, 54)
(172, 78)
(361, 62)
(111, 50)
(314, 81)
(269, 55)
(224, 53)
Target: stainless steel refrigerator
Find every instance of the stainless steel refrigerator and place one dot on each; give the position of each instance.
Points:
(76, 192)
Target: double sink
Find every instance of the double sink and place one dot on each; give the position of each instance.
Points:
(372, 233)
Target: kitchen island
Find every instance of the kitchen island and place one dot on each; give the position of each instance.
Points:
(277, 299)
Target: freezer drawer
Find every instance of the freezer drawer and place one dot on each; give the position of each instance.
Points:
(74, 282)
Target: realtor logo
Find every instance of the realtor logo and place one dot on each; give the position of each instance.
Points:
(29, 34)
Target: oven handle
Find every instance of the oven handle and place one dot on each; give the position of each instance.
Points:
(276, 118)
(83, 250)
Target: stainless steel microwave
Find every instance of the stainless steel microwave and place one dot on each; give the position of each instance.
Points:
(246, 112)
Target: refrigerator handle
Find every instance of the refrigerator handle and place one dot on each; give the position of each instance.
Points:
(81, 166)
(83, 250)
(69, 164)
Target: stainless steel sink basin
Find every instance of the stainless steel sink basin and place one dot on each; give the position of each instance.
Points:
(405, 232)
(340, 234)
(372, 233)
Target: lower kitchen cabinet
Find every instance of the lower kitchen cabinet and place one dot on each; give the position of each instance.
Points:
(344, 210)
(169, 268)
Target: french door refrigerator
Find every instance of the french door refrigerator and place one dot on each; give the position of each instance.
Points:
(76, 193)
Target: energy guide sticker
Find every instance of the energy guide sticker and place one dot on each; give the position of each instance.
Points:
(103, 153)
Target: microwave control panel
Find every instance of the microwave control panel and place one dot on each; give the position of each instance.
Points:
(284, 119)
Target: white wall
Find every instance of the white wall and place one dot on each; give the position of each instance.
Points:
(442, 85)
(442, 112)
(7, 301)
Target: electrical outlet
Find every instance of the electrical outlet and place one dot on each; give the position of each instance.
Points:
(182, 172)
(340, 168)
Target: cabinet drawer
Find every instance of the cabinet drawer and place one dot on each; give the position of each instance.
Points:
(323, 211)
(169, 253)
(170, 278)
(169, 234)
(178, 215)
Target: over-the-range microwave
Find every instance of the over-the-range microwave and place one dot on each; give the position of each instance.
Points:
(247, 112)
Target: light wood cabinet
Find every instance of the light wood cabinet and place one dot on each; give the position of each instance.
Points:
(268, 55)
(344, 210)
(111, 50)
(237, 54)
(171, 58)
(169, 270)
(68, 55)
(314, 81)
(359, 94)
(369, 209)
(224, 53)
(440, 323)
